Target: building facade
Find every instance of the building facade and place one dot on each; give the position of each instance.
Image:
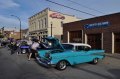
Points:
(15, 35)
(48, 23)
(25, 34)
(100, 32)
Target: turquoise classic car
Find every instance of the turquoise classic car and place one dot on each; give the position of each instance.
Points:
(62, 55)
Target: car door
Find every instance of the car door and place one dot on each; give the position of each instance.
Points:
(81, 55)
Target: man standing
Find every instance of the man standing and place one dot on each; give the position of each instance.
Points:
(29, 42)
(34, 47)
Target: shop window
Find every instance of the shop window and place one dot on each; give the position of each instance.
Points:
(76, 36)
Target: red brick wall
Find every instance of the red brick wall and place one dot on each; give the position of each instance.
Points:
(113, 19)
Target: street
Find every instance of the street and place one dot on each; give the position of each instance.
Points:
(18, 67)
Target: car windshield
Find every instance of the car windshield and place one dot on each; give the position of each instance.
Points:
(68, 46)
(24, 43)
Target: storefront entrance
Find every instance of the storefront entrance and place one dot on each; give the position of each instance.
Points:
(75, 36)
(117, 42)
(94, 40)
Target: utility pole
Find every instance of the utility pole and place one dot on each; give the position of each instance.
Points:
(20, 23)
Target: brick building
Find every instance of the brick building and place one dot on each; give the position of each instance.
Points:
(101, 32)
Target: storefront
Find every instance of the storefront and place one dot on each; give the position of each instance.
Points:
(94, 40)
(100, 32)
(76, 36)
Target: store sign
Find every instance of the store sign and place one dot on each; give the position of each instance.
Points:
(57, 15)
(97, 25)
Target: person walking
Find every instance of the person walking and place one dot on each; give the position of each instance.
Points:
(13, 47)
(18, 47)
(29, 43)
(34, 47)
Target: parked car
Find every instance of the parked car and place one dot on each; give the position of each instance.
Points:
(69, 54)
(24, 47)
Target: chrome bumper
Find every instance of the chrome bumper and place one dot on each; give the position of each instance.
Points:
(44, 62)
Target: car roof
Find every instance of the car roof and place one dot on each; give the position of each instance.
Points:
(78, 44)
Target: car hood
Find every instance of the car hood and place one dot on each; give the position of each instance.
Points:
(55, 42)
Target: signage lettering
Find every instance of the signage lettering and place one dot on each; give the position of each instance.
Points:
(97, 25)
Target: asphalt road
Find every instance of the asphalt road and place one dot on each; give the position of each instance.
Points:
(18, 67)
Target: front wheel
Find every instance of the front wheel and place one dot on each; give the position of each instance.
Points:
(23, 51)
(62, 65)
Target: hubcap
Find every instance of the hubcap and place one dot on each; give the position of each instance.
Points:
(62, 65)
(24, 51)
(95, 60)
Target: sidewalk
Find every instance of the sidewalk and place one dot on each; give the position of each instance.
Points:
(115, 55)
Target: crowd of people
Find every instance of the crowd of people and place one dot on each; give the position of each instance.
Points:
(15, 46)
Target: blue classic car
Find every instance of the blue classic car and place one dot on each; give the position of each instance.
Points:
(24, 47)
(62, 55)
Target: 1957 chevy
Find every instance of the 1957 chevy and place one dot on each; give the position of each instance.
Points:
(62, 55)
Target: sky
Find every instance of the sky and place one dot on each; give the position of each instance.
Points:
(26, 8)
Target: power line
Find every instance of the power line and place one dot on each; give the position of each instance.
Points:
(86, 6)
(70, 7)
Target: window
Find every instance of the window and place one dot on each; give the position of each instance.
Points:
(82, 48)
(42, 23)
(78, 48)
(68, 46)
(34, 25)
(39, 23)
(45, 22)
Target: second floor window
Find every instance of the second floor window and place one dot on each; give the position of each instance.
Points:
(42, 23)
(35, 25)
(39, 24)
(45, 22)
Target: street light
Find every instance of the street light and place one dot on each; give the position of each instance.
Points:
(20, 23)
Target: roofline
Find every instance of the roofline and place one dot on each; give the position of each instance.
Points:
(94, 17)
(78, 44)
(102, 16)
(53, 11)
(39, 12)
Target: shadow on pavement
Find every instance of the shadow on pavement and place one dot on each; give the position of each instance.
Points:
(115, 72)
(41, 64)
(94, 73)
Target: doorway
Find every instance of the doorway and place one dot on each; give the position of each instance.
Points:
(95, 40)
